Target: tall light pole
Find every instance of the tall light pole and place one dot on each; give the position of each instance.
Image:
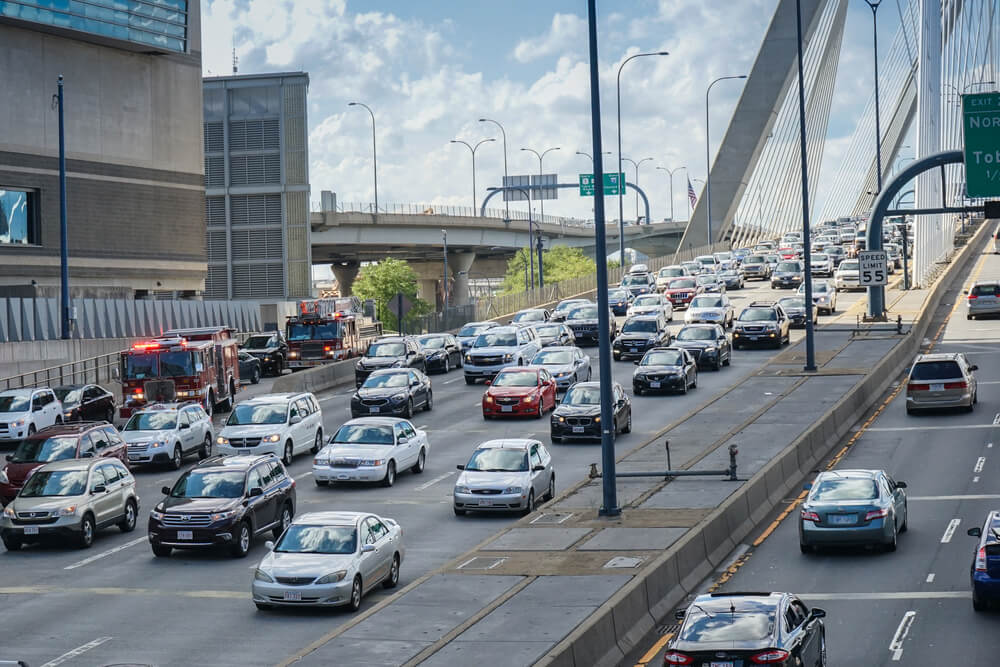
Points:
(529, 284)
(621, 186)
(878, 115)
(374, 152)
(670, 173)
(541, 201)
(503, 133)
(636, 166)
(444, 285)
(807, 245)
(63, 225)
(708, 159)
(473, 150)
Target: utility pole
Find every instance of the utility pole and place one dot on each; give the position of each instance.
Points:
(63, 225)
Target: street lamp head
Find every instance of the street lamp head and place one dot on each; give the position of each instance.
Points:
(663, 53)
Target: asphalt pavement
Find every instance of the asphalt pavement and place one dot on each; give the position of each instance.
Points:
(116, 603)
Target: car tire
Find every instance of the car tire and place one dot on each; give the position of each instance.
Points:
(409, 409)
(393, 579)
(531, 504)
(390, 474)
(977, 603)
(12, 543)
(161, 550)
(430, 402)
(541, 409)
(284, 522)
(458, 512)
(317, 442)
(31, 430)
(637, 391)
(418, 467)
(286, 457)
(729, 359)
(906, 519)
(891, 545)
(244, 536)
(87, 529)
(628, 423)
(206, 448)
(127, 524)
(556, 440)
(447, 366)
(209, 404)
(717, 366)
(469, 380)
(255, 376)
(551, 493)
(589, 374)
(176, 459)
(805, 548)
(356, 593)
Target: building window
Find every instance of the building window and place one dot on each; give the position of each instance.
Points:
(18, 216)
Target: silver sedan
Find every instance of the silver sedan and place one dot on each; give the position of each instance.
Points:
(853, 507)
(329, 559)
(568, 365)
(505, 475)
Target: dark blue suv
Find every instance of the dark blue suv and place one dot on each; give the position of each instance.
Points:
(985, 570)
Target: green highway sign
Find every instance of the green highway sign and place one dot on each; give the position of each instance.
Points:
(981, 128)
(611, 182)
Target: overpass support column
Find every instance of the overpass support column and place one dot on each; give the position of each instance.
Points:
(459, 264)
(345, 273)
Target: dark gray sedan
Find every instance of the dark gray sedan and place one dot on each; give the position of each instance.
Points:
(665, 369)
(853, 507)
(394, 392)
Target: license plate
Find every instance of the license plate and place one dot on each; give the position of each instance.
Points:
(373, 410)
(506, 408)
(31, 530)
(343, 476)
(843, 519)
(185, 535)
(296, 596)
(134, 457)
(937, 387)
(633, 350)
(722, 664)
(244, 451)
(753, 337)
(577, 429)
(655, 384)
(485, 503)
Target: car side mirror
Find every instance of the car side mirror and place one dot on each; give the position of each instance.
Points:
(295, 419)
(165, 490)
(900, 485)
(184, 426)
(9, 457)
(636, 362)
(367, 548)
(488, 382)
(538, 469)
(459, 467)
(256, 491)
(679, 614)
(807, 486)
(116, 374)
(973, 367)
(99, 488)
(87, 455)
(269, 545)
(975, 532)
(403, 440)
(817, 613)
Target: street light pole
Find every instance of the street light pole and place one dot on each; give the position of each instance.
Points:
(806, 237)
(473, 150)
(503, 133)
(63, 225)
(621, 186)
(444, 234)
(374, 154)
(670, 173)
(541, 201)
(538, 241)
(528, 284)
(878, 115)
(708, 162)
(635, 165)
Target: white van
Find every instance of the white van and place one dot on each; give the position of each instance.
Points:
(280, 424)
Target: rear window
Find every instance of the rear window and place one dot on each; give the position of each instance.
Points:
(986, 290)
(725, 626)
(831, 490)
(936, 370)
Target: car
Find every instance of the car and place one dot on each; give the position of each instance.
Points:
(519, 392)
(711, 308)
(725, 260)
(390, 352)
(497, 349)
(585, 323)
(983, 298)
(86, 402)
(711, 282)
(251, 368)
(761, 322)
(764, 247)
(166, 433)
(371, 449)
(894, 255)
(554, 333)
(664, 275)
(563, 307)
(24, 411)
(76, 440)
(71, 499)
(393, 391)
(795, 309)
(638, 334)
(836, 255)
(791, 237)
(530, 316)
(733, 277)
(852, 507)
(694, 268)
(820, 264)
(442, 352)
(984, 572)
(638, 283)
(788, 253)
(709, 263)
(824, 296)
(638, 268)
(846, 234)
(846, 277)
(271, 348)
(282, 425)
(566, 364)
(665, 369)
(755, 267)
(786, 274)
(470, 331)
(736, 628)
(707, 344)
(681, 291)
(941, 380)
(223, 501)
(651, 304)
(578, 415)
(772, 261)
(329, 559)
(619, 301)
(505, 475)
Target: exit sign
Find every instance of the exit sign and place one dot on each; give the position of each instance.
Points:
(981, 129)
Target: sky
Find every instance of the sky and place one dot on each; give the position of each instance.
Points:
(429, 69)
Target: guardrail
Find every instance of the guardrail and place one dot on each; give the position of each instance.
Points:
(458, 211)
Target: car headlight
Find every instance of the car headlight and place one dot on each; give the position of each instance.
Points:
(371, 463)
(399, 398)
(261, 575)
(561, 419)
(221, 441)
(156, 445)
(222, 516)
(293, 355)
(711, 348)
(488, 399)
(273, 437)
(360, 365)
(513, 489)
(332, 578)
(462, 489)
(9, 513)
(468, 358)
(17, 423)
(508, 357)
(318, 461)
(156, 515)
(68, 415)
(529, 399)
(597, 420)
(69, 510)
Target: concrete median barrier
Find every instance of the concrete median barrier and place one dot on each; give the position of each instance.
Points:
(317, 379)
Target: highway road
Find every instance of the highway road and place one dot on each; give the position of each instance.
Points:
(912, 607)
(116, 603)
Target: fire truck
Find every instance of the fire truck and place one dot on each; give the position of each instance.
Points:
(181, 364)
(328, 330)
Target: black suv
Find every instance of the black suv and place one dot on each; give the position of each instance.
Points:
(761, 323)
(223, 501)
(390, 352)
(271, 348)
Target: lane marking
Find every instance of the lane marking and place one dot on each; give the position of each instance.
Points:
(896, 645)
(971, 496)
(79, 650)
(116, 590)
(975, 480)
(930, 578)
(120, 547)
(899, 595)
(889, 429)
(949, 532)
(305, 474)
(652, 652)
(434, 481)
(451, 380)
(980, 462)
(996, 420)
(989, 445)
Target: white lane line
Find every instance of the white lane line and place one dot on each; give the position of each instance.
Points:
(975, 480)
(899, 595)
(971, 496)
(949, 532)
(930, 578)
(980, 462)
(103, 554)
(305, 474)
(989, 445)
(996, 420)
(896, 646)
(451, 380)
(79, 650)
(422, 427)
(890, 429)
(434, 481)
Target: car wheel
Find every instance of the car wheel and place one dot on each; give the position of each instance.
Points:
(822, 650)
(804, 548)
(390, 474)
(286, 458)
(541, 409)
(206, 448)
(977, 602)
(317, 441)
(458, 512)
(694, 382)
(729, 359)
(12, 543)
(418, 467)
(409, 409)
(589, 373)
(161, 550)
(637, 391)
(628, 424)
(685, 389)
(356, 591)
(210, 404)
(430, 401)
(284, 522)
(87, 530)
(241, 546)
(255, 376)
(551, 493)
(127, 524)
(176, 458)
(891, 545)
(906, 519)
(717, 365)
(469, 380)
(109, 416)
(447, 365)
(31, 430)
(393, 578)
(530, 507)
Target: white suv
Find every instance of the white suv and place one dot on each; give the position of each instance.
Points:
(166, 433)
(24, 411)
(279, 424)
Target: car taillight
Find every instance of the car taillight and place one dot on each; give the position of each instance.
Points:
(876, 514)
(913, 386)
(810, 516)
(677, 658)
(981, 560)
(955, 385)
(972, 296)
(769, 656)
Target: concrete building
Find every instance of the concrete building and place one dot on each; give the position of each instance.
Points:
(257, 187)
(135, 190)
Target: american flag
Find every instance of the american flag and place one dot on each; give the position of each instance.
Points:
(691, 195)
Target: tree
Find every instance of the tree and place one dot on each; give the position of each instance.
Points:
(558, 263)
(383, 281)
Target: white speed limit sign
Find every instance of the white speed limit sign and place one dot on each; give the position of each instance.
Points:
(872, 268)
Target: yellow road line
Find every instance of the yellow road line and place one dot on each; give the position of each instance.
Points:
(657, 647)
(114, 590)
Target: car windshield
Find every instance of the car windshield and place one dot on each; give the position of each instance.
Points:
(470, 330)
(364, 434)
(684, 283)
(551, 330)
(209, 484)
(68, 395)
(516, 379)
(849, 265)
(552, 357)
(584, 313)
(245, 414)
(495, 459)
(44, 483)
(141, 366)
(935, 370)
(258, 342)
(152, 421)
(758, 315)
(324, 331)
(653, 300)
(635, 279)
(845, 489)
(773, 259)
(696, 333)
(616, 295)
(305, 539)
(791, 303)
(817, 288)
(721, 256)
(529, 316)
(14, 403)
(387, 350)
(503, 339)
(662, 358)
(820, 257)
(570, 305)
(387, 380)
(578, 395)
(791, 267)
(754, 259)
(38, 450)
(671, 272)
(432, 342)
(705, 259)
(706, 302)
(706, 279)
(726, 626)
(977, 290)
(177, 364)
(639, 326)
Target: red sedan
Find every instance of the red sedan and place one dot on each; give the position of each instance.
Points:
(788, 253)
(521, 392)
(680, 291)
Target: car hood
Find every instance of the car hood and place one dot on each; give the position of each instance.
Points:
(18, 472)
(565, 410)
(491, 351)
(679, 290)
(132, 437)
(477, 480)
(48, 504)
(785, 274)
(171, 504)
(251, 430)
(578, 322)
(260, 350)
(635, 335)
(304, 565)
(381, 392)
(13, 416)
(379, 362)
(510, 391)
(754, 265)
(691, 345)
(795, 310)
(637, 310)
(847, 272)
(557, 369)
(695, 312)
(343, 451)
(659, 369)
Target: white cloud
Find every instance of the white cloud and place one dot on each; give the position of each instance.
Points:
(568, 32)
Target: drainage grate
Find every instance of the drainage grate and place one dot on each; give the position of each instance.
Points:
(481, 563)
(552, 518)
(624, 562)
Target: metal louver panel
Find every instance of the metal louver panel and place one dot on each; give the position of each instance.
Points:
(237, 135)
(215, 172)
(271, 139)
(215, 211)
(215, 245)
(256, 244)
(213, 137)
(256, 209)
(258, 280)
(216, 285)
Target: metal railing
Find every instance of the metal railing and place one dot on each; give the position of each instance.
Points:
(458, 211)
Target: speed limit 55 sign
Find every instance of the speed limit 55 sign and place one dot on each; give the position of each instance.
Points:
(872, 268)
